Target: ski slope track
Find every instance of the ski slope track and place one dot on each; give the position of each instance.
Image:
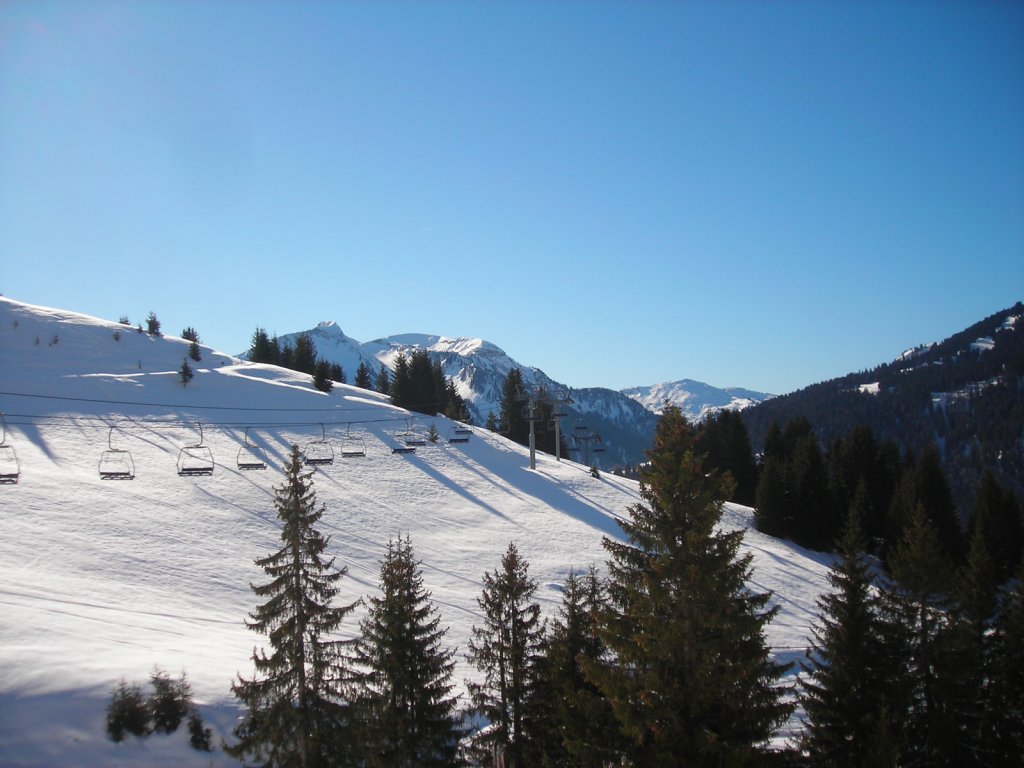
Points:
(103, 579)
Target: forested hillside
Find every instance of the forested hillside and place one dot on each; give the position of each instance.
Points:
(965, 395)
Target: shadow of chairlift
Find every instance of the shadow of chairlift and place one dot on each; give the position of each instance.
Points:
(195, 460)
(116, 463)
(10, 467)
(249, 456)
(318, 453)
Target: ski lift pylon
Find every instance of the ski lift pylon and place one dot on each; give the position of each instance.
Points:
(10, 467)
(116, 463)
(319, 452)
(249, 456)
(195, 460)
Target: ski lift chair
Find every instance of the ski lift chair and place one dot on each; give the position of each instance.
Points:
(195, 460)
(10, 467)
(352, 446)
(116, 463)
(459, 434)
(320, 452)
(412, 437)
(249, 456)
(402, 443)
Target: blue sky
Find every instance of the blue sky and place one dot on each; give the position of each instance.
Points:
(749, 194)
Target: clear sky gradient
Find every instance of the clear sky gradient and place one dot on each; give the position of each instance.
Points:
(749, 194)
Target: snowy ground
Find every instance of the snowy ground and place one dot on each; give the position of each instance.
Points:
(103, 579)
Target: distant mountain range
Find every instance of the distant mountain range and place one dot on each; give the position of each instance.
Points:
(625, 419)
(965, 394)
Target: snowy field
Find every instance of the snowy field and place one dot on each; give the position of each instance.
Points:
(102, 579)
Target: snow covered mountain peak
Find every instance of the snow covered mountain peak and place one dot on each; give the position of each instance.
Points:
(694, 398)
(329, 328)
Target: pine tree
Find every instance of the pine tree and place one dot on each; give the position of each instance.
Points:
(185, 373)
(572, 724)
(152, 324)
(505, 649)
(190, 334)
(915, 604)
(303, 357)
(968, 641)
(998, 511)
(772, 515)
(689, 674)
(723, 440)
(363, 380)
(322, 376)
(845, 672)
(295, 712)
(382, 382)
(170, 701)
(193, 351)
(423, 395)
(127, 712)
(260, 349)
(510, 412)
(1006, 675)
(401, 392)
(407, 711)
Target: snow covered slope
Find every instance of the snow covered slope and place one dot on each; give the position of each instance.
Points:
(103, 579)
(694, 398)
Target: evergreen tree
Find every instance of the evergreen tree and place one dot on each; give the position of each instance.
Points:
(401, 391)
(185, 373)
(423, 396)
(455, 407)
(846, 670)
(382, 382)
(286, 356)
(295, 712)
(303, 357)
(815, 524)
(260, 349)
(772, 514)
(170, 701)
(510, 410)
(968, 647)
(997, 510)
(152, 324)
(689, 675)
(916, 631)
(322, 376)
(337, 373)
(407, 711)
(505, 649)
(363, 380)
(193, 351)
(572, 723)
(127, 713)
(725, 444)
(190, 334)
(1006, 676)
(932, 491)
